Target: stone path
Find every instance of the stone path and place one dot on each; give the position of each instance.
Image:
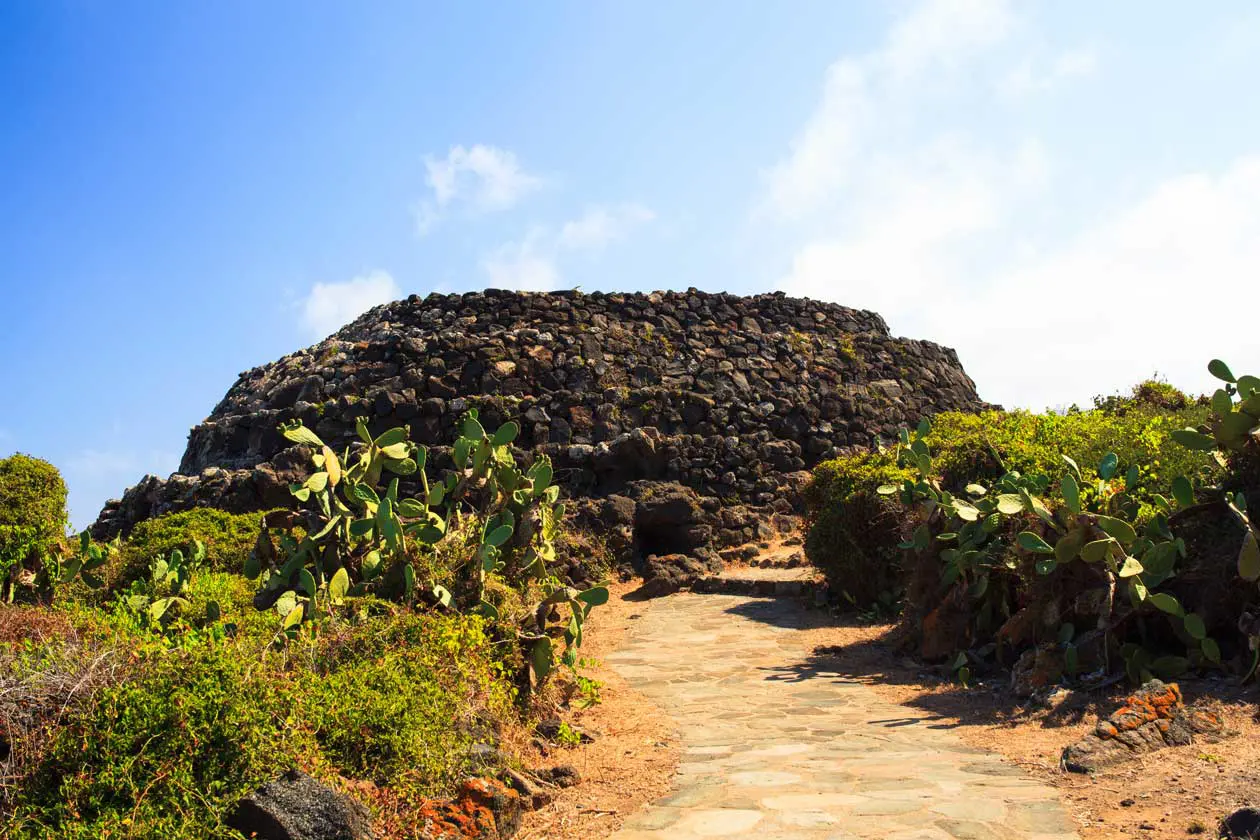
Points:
(775, 748)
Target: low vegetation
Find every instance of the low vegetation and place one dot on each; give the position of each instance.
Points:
(361, 635)
(394, 628)
(32, 521)
(228, 538)
(1066, 546)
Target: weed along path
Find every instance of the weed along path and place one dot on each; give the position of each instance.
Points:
(773, 747)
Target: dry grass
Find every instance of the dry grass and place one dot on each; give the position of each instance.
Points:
(45, 670)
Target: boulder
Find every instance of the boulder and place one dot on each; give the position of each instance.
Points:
(297, 807)
(610, 520)
(484, 809)
(946, 628)
(562, 775)
(1152, 718)
(1041, 667)
(1243, 824)
(667, 574)
(669, 519)
(553, 728)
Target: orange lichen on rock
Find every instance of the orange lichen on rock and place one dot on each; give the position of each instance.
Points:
(1156, 702)
(484, 809)
(1151, 718)
(1204, 720)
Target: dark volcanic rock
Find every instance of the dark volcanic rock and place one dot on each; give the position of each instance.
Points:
(667, 574)
(668, 518)
(296, 807)
(562, 775)
(611, 519)
(731, 396)
(1243, 824)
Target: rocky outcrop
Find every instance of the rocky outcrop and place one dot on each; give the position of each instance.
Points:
(297, 807)
(1152, 718)
(667, 574)
(730, 396)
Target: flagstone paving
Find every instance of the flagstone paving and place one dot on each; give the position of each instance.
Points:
(773, 747)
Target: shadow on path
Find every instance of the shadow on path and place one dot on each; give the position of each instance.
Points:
(782, 741)
(873, 660)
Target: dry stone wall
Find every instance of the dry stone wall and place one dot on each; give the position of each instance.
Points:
(729, 396)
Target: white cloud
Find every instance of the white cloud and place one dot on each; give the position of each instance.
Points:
(1030, 167)
(910, 232)
(484, 178)
(1156, 287)
(1029, 77)
(940, 227)
(329, 306)
(531, 263)
(942, 32)
(521, 266)
(825, 153)
(599, 226)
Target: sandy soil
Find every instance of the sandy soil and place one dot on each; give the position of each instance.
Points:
(635, 751)
(1174, 793)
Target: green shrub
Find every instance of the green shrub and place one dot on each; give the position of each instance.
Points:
(164, 752)
(219, 689)
(484, 521)
(401, 701)
(854, 532)
(978, 447)
(228, 538)
(1018, 561)
(1151, 393)
(32, 517)
(185, 622)
(182, 728)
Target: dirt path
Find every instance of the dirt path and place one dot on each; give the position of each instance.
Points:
(635, 750)
(775, 746)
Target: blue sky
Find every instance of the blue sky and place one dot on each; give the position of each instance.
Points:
(1066, 192)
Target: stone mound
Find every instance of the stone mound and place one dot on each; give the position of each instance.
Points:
(730, 396)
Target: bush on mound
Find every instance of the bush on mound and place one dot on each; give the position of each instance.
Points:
(972, 447)
(1149, 394)
(163, 751)
(423, 688)
(854, 532)
(385, 639)
(228, 538)
(1114, 536)
(32, 520)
